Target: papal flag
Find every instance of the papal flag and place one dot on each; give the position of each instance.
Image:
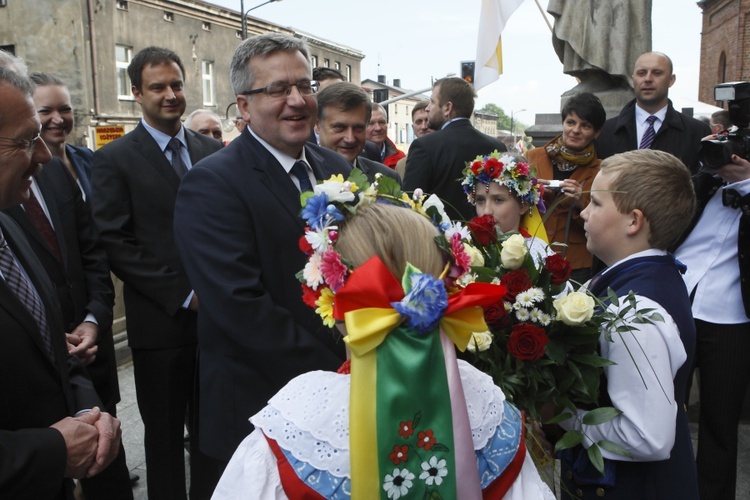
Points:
(492, 19)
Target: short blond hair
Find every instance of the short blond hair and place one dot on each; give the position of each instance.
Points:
(395, 234)
(656, 183)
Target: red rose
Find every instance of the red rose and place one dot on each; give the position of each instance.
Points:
(483, 229)
(310, 296)
(495, 314)
(515, 282)
(559, 268)
(527, 342)
(305, 246)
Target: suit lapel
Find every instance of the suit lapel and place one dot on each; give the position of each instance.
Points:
(147, 147)
(36, 274)
(79, 165)
(49, 192)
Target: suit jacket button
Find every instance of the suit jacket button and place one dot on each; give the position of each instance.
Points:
(569, 474)
(600, 492)
(579, 492)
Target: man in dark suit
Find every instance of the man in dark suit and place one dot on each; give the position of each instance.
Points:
(716, 251)
(59, 228)
(41, 443)
(436, 160)
(343, 112)
(652, 116)
(135, 181)
(237, 227)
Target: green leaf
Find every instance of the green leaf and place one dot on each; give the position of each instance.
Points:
(406, 278)
(439, 447)
(600, 415)
(592, 360)
(417, 418)
(358, 177)
(569, 440)
(565, 415)
(595, 455)
(612, 296)
(555, 350)
(614, 448)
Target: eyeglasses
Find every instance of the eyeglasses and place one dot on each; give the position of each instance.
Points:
(24, 143)
(283, 89)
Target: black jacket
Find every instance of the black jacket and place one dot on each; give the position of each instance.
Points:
(679, 135)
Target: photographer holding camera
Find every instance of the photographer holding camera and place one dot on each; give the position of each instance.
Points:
(716, 250)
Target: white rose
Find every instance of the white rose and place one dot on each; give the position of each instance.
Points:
(477, 259)
(574, 309)
(480, 341)
(514, 251)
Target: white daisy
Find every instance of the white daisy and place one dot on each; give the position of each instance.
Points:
(545, 319)
(536, 294)
(522, 315)
(318, 240)
(535, 315)
(433, 471)
(524, 299)
(399, 483)
(457, 227)
(466, 279)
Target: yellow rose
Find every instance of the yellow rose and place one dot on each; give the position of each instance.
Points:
(480, 341)
(514, 251)
(477, 259)
(574, 309)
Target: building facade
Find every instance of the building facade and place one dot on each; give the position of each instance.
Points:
(725, 45)
(89, 44)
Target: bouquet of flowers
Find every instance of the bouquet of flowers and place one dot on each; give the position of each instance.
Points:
(543, 337)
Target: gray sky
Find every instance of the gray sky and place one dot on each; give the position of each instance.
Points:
(415, 40)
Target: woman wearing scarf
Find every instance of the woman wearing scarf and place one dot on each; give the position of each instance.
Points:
(570, 158)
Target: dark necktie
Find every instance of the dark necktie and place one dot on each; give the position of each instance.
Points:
(23, 289)
(299, 170)
(41, 223)
(177, 164)
(648, 135)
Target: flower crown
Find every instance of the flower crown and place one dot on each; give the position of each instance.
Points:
(505, 170)
(327, 206)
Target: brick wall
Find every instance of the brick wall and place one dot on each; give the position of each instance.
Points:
(725, 45)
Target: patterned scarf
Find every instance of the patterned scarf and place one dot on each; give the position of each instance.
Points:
(567, 160)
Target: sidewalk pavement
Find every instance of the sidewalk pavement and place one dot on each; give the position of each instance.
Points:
(132, 437)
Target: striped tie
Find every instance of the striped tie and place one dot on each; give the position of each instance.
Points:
(24, 291)
(299, 170)
(648, 135)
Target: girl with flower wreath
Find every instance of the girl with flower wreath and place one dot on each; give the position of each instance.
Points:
(505, 192)
(403, 418)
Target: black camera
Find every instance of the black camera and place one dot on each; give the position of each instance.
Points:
(715, 153)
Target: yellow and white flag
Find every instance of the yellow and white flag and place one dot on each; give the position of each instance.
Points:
(492, 19)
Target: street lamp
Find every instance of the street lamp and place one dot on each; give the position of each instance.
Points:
(244, 12)
(512, 126)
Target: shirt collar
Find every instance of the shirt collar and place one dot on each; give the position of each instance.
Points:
(641, 114)
(163, 139)
(286, 161)
(451, 121)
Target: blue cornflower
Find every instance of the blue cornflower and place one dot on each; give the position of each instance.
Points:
(425, 303)
(315, 210)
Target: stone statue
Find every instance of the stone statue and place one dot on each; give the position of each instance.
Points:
(598, 41)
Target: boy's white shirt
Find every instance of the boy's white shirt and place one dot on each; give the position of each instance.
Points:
(646, 427)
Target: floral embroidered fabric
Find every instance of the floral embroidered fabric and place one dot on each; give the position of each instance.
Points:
(309, 419)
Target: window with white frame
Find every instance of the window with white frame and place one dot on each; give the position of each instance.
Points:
(314, 61)
(337, 65)
(123, 55)
(326, 63)
(348, 73)
(209, 94)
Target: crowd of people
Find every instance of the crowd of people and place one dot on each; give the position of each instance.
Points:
(209, 240)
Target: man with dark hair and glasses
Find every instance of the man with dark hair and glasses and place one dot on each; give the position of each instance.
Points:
(237, 227)
(134, 186)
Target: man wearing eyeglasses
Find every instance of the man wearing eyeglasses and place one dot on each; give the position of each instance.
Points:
(47, 436)
(237, 227)
(134, 186)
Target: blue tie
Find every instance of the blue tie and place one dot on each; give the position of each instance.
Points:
(25, 292)
(648, 135)
(177, 164)
(299, 170)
